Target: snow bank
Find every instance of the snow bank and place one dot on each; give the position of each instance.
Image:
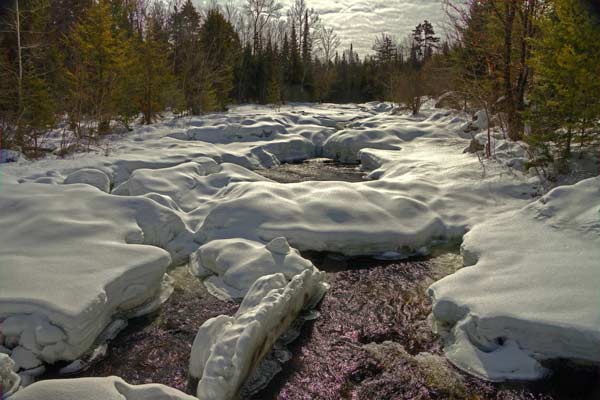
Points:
(226, 349)
(530, 291)
(91, 249)
(110, 388)
(231, 266)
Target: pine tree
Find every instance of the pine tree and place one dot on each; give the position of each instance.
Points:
(565, 102)
(220, 45)
(94, 77)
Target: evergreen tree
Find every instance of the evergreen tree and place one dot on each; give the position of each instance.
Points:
(565, 102)
(220, 45)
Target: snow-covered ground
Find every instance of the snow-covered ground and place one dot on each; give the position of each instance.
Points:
(185, 190)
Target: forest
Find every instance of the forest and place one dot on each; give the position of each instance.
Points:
(90, 67)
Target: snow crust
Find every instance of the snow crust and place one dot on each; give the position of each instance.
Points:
(110, 388)
(226, 349)
(530, 291)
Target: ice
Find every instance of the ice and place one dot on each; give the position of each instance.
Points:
(530, 291)
(92, 250)
(90, 176)
(110, 388)
(231, 266)
(9, 380)
(226, 349)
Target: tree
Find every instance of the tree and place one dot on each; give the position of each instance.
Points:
(327, 42)
(220, 45)
(565, 102)
(261, 12)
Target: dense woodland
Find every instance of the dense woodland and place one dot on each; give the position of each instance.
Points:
(90, 67)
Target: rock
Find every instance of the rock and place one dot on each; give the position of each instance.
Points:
(474, 147)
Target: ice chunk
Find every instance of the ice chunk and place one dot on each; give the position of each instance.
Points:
(73, 239)
(9, 380)
(226, 349)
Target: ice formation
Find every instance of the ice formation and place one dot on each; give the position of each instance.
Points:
(529, 290)
(226, 349)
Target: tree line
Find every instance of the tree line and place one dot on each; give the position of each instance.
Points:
(89, 66)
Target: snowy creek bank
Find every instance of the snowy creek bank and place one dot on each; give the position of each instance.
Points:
(222, 193)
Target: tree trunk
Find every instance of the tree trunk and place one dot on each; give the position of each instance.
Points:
(511, 109)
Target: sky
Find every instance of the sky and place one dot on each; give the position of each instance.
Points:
(360, 21)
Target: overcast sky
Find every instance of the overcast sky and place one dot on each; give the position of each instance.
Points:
(360, 21)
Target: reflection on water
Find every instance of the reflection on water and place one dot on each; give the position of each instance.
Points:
(373, 341)
(318, 169)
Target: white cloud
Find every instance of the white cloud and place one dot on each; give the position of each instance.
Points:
(360, 21)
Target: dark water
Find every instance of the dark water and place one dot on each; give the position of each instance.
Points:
(319, 169)
(382, 306)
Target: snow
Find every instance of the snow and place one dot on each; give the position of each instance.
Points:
(92, 177)
(226, 349)
(110, 388)
(183, 191)
(530, 291)
(231, 266)
(91, 249)
(9, 380)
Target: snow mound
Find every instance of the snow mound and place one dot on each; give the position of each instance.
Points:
(89, 176)
(92, 249)
(110, 388)
(522, 301)
(352, 219)
(231, 266)
(190, 184)
(226, 349)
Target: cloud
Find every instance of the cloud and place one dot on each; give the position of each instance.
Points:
(360, 21)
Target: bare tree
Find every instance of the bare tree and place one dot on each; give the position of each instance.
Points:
(298, 14)
(261, 12)
(327, 42)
